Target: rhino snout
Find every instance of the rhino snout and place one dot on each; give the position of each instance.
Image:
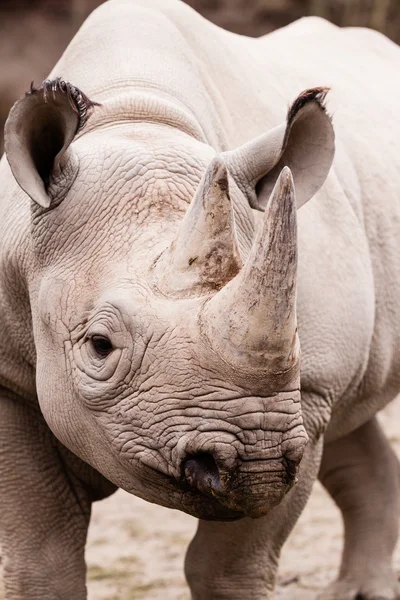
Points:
(251, 487)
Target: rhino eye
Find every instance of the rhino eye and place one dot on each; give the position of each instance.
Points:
(101, 345)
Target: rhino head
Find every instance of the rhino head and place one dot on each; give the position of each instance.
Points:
(167, 349)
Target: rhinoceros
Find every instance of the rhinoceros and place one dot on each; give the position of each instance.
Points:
(181, 209)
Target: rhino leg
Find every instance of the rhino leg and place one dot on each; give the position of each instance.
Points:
(361, 473)
(44, 513)
(239, 560)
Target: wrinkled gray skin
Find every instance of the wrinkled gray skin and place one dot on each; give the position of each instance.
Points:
(148, 296)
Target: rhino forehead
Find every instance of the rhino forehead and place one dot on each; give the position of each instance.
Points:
(122, 182)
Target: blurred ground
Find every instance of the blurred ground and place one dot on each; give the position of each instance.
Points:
(136, 550)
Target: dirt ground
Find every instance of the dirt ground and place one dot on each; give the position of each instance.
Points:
(136, 550)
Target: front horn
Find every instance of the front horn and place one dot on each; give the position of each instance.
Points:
(252, 320)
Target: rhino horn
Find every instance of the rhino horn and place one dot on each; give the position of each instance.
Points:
(252, 320)
(205, 254)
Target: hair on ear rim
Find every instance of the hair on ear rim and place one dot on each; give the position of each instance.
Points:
(79, 102)
(38, 132)
(316, 95)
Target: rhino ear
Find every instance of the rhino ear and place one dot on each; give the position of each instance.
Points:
(38, 132)
(305, 144)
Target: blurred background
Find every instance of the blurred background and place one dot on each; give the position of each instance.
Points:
(34, 33)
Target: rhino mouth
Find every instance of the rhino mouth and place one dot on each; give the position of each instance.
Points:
(177, 494)
(205, 488)
(202, 506)
(229, 496)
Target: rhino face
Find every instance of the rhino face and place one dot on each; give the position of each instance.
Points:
(167, 356)
(144, 397)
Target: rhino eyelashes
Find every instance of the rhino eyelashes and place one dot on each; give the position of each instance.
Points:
(79, 102)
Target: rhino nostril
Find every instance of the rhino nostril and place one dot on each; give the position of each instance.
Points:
(291, 467)
(201, 471)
